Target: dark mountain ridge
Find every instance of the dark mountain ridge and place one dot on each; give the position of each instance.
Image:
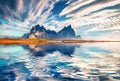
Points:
(40, 32)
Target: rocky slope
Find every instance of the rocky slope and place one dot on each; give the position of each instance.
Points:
(40, 32)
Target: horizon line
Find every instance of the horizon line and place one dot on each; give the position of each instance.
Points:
(48, 41)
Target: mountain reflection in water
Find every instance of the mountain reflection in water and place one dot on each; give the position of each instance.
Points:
(85, 62)
(42, 50)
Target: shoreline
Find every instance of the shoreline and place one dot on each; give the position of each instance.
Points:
(47, 41)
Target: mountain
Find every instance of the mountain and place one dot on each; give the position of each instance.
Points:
(40, 32)
(66, 32)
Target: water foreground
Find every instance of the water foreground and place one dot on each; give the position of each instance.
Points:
(60, 62)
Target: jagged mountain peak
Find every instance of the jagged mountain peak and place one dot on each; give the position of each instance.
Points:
(69, 26)
(37, 28)
(39, 31)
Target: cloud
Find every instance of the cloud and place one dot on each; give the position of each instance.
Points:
(31, 9)
(11, 33)
(75, 6)
(109, 24)
(94, 7)
(99, 15)
(102, 15)
(24, 14)
(86, 13)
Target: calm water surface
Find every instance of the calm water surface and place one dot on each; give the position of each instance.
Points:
(66, 62)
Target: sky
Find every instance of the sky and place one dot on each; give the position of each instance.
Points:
(92, 19)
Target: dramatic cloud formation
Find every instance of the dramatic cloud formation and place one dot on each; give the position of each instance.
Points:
(88, 17)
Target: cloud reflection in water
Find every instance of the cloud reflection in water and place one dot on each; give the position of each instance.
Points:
(85, 62)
